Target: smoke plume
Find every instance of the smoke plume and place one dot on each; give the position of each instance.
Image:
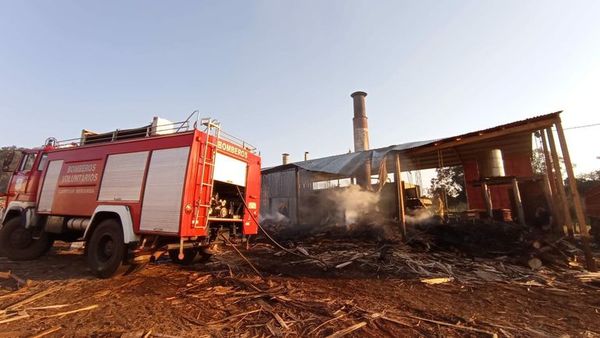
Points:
(354, 203)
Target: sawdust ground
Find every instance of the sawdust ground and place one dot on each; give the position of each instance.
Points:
(166, 299)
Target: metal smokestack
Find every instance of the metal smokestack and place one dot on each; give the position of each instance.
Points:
(285, 157)
(361, 128)
(361, 138)
(306, 155)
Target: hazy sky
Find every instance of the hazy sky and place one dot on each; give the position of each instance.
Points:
(279, 73)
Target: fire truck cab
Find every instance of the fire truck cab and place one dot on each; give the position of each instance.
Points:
(133, 194)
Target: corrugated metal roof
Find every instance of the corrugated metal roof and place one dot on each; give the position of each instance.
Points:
(348, 164)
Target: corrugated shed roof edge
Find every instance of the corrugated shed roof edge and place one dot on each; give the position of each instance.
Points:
(340, 164)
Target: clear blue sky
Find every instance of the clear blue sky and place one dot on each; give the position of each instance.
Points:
(279, 73)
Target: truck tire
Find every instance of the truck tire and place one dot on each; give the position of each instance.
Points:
(188, 256)
(21, 244)
(106, 250)
(205, 254)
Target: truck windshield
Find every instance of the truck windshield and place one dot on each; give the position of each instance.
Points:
(43, 162)
(27, 163)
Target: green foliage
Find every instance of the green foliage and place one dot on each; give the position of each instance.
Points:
(538, 162)
(587, 181)
(451, 181)
(591, 176)
(7, 153)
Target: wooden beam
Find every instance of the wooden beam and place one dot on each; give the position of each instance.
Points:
(487, 197)
(558, 218)
(529, 127)
(560, 185)
(583, 230)
(400, 195)
(462, 161)
(550, 201)
(517, 195)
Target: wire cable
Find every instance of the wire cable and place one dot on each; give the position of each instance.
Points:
(271, 238)
(583, 126)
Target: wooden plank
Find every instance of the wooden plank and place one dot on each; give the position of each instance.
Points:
(585, 235)
(32, 298)
(550, 188)
(517, 195)
(560, 185)
(400, 195)
(487, 197)
(47, 332)
(558, 218)
(347, 330)
(87, 308)
(15, 318)
(457, 326)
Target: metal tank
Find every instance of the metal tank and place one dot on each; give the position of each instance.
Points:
(491, 164)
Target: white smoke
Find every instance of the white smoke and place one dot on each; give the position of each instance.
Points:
(275, 217)
(355, 203)
(419, 216)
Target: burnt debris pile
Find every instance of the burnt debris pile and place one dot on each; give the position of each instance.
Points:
(478, 239)
(509, 242)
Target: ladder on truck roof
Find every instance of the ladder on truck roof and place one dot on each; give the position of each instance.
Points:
(206, 166)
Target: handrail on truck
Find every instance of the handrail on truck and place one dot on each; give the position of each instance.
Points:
(143, 132)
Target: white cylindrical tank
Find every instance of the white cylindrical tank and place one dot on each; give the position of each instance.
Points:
(491, 164)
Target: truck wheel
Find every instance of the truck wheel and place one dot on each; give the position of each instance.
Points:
(21, 244)
(106, 249)
(205, 255)
(188, 256)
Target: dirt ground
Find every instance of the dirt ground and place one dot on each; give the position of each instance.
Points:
(368, 289)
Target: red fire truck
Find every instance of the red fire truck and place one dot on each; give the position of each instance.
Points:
(133, 194)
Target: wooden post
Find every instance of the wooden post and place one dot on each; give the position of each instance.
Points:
(554, 201)
(517, 194)
(488, 200)
(585, 235)
(560, 185)
(556, 226)
(400, 195)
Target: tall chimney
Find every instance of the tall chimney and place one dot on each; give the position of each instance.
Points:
(306, 155)
(285, 157)
(361, 128)
(361, 138)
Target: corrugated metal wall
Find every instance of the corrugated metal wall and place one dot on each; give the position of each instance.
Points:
(278, 194)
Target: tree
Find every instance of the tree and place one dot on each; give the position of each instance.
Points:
(451, 182)
(587, 181)
(7, 153)
(593, 175)
(538, 162)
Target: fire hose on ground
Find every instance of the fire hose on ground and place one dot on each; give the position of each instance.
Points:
(304, 255)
